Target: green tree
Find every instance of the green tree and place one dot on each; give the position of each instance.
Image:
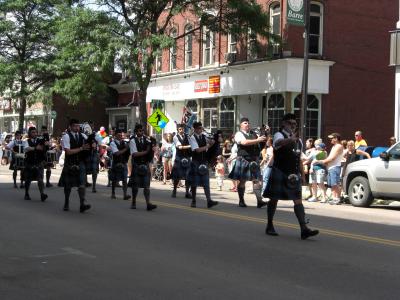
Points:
(143, 29)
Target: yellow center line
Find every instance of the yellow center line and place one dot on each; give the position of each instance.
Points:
(335, 233)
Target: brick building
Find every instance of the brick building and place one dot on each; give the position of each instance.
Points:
(222, 78)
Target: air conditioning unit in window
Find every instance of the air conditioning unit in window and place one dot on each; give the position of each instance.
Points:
(230, 57)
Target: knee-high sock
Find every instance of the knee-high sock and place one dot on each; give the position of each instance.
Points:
(81, 193)
(135, 191)
(301, 215)
(94, 180)
(27, 186)
(194, 189)
(176, 182)
(240, 191)
(124, 187)
(48, 174)
(146, 193)
(207, 193)
(15, 176)
(187, 189)
(271, 208)
(67, 193)
(41, 187)
(257, 192)
(113, 184)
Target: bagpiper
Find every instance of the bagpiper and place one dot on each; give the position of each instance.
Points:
(34, 149)
(119, 168)
(49, 164)
(92, 160)
(17, 158)
(247, 166)
(142, 154)
(199, 173)
(181, 166)
(74, 170)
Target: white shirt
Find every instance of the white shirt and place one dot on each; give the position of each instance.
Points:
(132, 144)
(177, 142)
(25, 144)
(192, 141)
(66, 143)
(114, 146)
(240, 137)
(13, 143)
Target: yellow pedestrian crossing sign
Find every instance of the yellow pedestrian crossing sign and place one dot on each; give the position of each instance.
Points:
(158, 120)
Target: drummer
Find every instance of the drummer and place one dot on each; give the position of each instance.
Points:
(18, 158)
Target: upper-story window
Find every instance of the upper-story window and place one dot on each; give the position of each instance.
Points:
(232, 42)
(316, 28)
(313, 115)
(251, 45)
(275, 18)
(173, 50)
(209, 47)
(188, 46)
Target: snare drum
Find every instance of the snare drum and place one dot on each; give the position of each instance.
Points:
(51, 156)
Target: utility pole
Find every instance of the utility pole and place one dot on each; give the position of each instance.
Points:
(397, 91)
(304, 88)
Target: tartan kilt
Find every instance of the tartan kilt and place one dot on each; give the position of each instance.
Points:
(138, 180)
(278, 188)
(119, 172)
(241, 171)
(179, 172)
(92, 163)
(71, 178)
(194, 178)
(34, 172)
(13, 164)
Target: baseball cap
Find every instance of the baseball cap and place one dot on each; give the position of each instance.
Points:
(320, 146)
(334, 135)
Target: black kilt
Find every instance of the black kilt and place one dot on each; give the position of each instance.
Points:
(119, 172)
(13, 164)
(179, 172)
(278, 187)
(241, 171)
(33, 172)
(92, 163)
(139, 180)
(195, 179)
(73, 178)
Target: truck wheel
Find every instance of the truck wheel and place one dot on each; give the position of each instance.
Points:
(360, 193)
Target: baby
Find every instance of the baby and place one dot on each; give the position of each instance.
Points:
(220, 171)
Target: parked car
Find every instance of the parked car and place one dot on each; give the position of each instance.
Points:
(372, 178)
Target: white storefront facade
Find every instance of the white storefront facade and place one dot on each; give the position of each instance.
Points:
(261, 91)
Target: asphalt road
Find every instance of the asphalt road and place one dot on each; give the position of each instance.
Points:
(177, 252)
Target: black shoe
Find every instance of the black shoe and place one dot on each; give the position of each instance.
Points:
(48, 185)
(15, 186)
(151, 206)
(84, 207)
(193, 204)
(22, 186)
(113, 197)
(173, 194)
(306, 233)
(261, 204)
(94, 191)
(66, 208)
(27, 197)
(270, 230)
(242, 204)
(43, 197)
(127, 197)
(188, 196)
(133, 205)
(88, 184)
(211, 203)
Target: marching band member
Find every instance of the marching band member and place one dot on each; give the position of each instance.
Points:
(181, 166)
(141, 151)
(16, 146)
(198, 173)
(45, 136)
(119, 168)
(247, 166)
(285, 179)
(93, 158)
(74, 170)
(34, 149)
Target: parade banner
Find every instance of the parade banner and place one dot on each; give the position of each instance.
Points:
(295, 12)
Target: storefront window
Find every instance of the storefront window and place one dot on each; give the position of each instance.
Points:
(210, 114)
(312, 115)
(227, 113)
(275, 109)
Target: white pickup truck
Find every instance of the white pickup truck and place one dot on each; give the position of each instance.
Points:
(378, 177)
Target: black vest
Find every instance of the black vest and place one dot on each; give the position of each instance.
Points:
(122, 158)
(34, 157)
(200, 157)
(140, 148)
(249, 152)
(287, 158)
(16, 144)
(74, 159)
(184, 142)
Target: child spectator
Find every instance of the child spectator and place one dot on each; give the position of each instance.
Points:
(318, 172)
(220, 171)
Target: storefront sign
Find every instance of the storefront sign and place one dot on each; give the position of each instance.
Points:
(200, 86)
(295, 12)
(214, 84)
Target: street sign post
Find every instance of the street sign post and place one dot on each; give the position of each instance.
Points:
(53, 114)
(158, 120)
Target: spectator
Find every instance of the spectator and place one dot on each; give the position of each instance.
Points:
(266, 164)
(306, 164)
(352, 154)
(392, 141)
(359, 140)
(220, 172)
(231, 162)
(166, 153)
(226, 149)
(333, 163)
(318, 172)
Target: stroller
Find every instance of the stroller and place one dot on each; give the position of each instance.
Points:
(158, 172)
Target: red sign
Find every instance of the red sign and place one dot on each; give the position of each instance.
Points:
(214, 84)
(200, 86)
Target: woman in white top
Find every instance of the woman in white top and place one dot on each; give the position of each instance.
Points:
(166, 153)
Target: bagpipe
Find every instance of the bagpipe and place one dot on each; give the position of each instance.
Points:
(212, 152)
